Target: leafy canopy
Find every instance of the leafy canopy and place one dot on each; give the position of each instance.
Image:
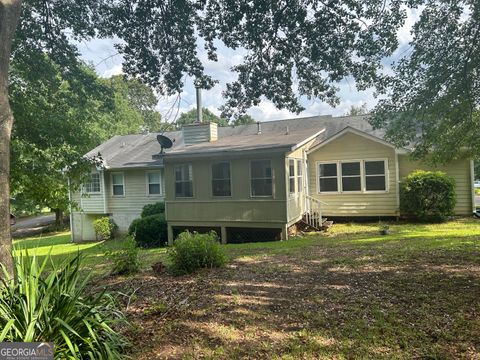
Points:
(433, 96)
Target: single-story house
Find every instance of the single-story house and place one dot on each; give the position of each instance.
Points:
(256, 179)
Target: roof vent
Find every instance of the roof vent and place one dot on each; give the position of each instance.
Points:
(259, 128)
(287, 132)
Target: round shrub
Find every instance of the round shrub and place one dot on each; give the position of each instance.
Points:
(428, 196)
(153, 209)
(149, 231)
(192, 251)
(104, 228)
(125, 260)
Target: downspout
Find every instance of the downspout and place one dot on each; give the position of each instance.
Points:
(104, 193)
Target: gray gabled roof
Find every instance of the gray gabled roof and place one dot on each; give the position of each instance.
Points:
(138, 151)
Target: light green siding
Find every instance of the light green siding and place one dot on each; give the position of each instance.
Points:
(239, 207)
(351, 146)
(459, 170)
(123, 209)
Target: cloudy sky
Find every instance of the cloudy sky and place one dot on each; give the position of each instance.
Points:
(102, 54)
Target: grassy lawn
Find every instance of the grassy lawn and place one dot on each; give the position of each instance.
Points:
(350, 293)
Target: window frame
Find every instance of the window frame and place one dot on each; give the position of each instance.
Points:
(112, 184)
(292, 177)
(212, 178)
(272, 196)
(84, 187)
(341, 176)
(363, 189)
(148, 183)
(299, 163)
(386, 175)
(190, 170)
(338, 177)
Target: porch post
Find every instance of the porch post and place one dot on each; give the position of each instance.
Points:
(170, 234)
(223, 234)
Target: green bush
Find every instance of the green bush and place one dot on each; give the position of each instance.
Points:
(125, 260)
(192, 251)
(153, 209)
(104, 228)
(428, 196)
(149, 231)
(41, 306)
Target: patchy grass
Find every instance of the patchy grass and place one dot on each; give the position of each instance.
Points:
(347, 294)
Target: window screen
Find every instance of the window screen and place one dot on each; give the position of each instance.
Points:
(351, 176)
(93, 186)
(117, 185)
(183, 180)
(154, 183)
(299, 176)
(261, 178)
(291, 176)
(221, 181)
(375, 175)
(328, 177)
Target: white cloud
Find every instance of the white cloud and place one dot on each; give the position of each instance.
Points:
(114, 70)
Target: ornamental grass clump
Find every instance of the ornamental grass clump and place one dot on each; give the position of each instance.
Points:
(37, 305)
(193, 251)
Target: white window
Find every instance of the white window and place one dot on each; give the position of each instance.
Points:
(154, 183)
(221, 179)
(261, 178)
(118, 185)
(351, 176)
(375, 178)
(327, 177)
(291, 176)
(183, 180)
(299, 176)
(93, 185)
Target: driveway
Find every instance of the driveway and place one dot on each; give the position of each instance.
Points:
(32, 225)
(477, 201)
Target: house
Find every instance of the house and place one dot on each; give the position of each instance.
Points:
(253, 182)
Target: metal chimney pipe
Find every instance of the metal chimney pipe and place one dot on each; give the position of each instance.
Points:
(199, 104)
(259, 128)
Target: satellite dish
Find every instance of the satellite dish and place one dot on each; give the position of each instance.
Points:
(165, 142)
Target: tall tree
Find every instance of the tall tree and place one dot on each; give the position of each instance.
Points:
(357, 110)
(9, 15)
(70, 117)
(190, 117)
(244, 120)
(311, 45)
(433, 97)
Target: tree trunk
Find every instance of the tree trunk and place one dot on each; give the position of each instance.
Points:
(9, 15)
(58, 217)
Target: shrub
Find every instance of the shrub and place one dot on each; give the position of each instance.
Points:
(192, 251)
(104, 228)
(428, 196)
(125, 260)
(36, 306)
(149, 231)
(153, 209)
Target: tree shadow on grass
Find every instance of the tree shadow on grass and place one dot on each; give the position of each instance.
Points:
(347, 303)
